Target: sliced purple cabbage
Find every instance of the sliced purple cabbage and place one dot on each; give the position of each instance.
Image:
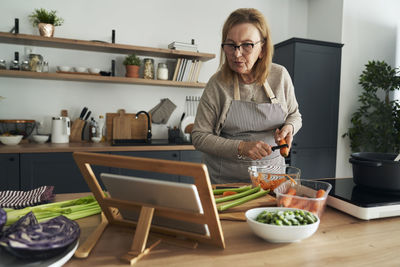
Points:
(3, 219)
(43, 240)
(23, 222)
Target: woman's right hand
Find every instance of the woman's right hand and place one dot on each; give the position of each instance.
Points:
(254, 149)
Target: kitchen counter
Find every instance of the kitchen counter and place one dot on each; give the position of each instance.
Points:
(90, 147)
(341, 240)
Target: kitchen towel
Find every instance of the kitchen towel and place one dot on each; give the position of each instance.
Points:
(162, 111)
(22, 199)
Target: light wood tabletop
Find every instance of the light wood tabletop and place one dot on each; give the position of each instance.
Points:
(341, 240)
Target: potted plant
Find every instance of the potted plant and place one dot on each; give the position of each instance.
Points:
(132, 64)
(376, 123)
(46, 21)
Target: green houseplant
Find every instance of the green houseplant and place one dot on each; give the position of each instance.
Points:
(132, 64)
(46, 21)
(376, 123)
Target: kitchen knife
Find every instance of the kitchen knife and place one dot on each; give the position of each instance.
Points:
(278, 147)
(84, 110)
(87, 115)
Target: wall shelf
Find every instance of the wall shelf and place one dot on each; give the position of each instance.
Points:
(95, 78)
(98, 46)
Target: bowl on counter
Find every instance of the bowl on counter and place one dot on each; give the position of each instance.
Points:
(80, 69)
(306, 195)
(40, 138)
(10, 140)
(94, 70)
(261, 173)
(17, 127)
(64, 68)
(296, 224)
(96, 139)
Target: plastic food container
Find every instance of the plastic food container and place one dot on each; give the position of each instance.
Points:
(268, 173)
(305, 197)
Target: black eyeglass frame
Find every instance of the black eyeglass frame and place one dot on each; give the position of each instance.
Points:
(239, 46)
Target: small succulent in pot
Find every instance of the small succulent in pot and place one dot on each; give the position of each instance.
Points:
(132, 64)
(132, 60)
(46, 21)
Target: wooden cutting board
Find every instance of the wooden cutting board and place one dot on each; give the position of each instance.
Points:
(138, 127)
(122, 126)
(237, 213)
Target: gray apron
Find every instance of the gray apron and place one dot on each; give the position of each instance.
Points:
(247, 121)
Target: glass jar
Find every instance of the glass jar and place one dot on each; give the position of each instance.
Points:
(3, 65)
(45, 66)
(35, 61)
(14, 65)
(162, 71)
(25, 65)
(148, 72)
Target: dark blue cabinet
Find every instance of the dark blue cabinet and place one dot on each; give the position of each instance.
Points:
(57, 169)
(27, 171)
(9, 172)
(314, 67)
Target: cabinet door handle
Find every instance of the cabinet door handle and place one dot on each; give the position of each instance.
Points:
(175, 155)
(294, 144)
(11, 159)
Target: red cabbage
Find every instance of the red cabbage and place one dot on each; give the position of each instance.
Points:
(25, 221)
(43, 240)
(3, 219)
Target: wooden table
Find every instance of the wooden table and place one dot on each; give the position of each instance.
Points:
(341, 240)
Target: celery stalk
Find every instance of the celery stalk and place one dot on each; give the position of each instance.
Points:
(237, 190)
(236, 196)
(81, 206)
(242, 200)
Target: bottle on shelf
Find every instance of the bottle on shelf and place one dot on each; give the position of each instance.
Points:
(92, 128)
(100, 128)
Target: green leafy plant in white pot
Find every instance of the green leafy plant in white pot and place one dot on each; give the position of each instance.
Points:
(132, 64)
(46, 21)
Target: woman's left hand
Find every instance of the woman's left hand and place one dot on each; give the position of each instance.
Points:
(286, 132)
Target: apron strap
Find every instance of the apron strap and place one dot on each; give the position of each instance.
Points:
(267, 89)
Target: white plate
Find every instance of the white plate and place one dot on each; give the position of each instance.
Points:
(9, 260)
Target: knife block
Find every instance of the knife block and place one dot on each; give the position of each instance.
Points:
(76, 130)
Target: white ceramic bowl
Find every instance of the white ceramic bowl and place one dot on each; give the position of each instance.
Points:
(279, 234)
(80, 69)
(96, 139)
(11, 140)
(40, 138)
(64, 68)
(94, 70)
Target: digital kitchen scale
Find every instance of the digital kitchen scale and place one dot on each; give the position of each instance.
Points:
(361, 202)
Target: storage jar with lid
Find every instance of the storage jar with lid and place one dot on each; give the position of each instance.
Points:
(25, 65)
(14, 65)
(148, 72)
(162, 71)
(3, 65)
(35, 62)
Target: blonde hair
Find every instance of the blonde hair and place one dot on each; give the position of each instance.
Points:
(262, 65)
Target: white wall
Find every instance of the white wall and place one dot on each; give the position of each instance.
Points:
(325, 20)
(154, 23)
(369, 33)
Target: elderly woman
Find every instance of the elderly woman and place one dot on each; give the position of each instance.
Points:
(248, 105)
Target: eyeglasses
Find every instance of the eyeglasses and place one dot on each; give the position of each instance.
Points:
(245, 48)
